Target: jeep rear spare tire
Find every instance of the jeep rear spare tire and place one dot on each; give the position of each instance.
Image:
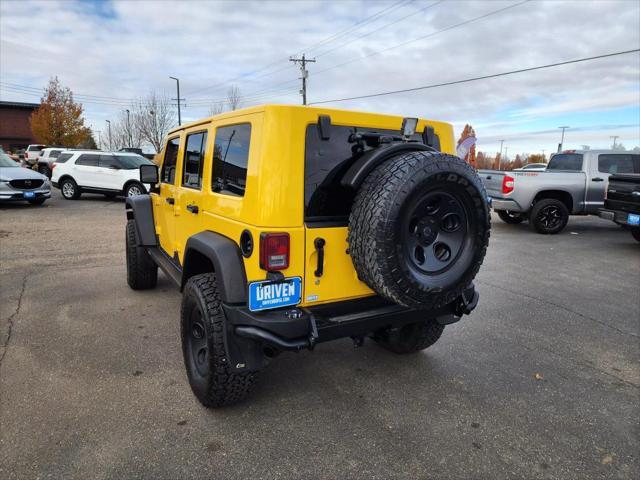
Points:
(419, 229)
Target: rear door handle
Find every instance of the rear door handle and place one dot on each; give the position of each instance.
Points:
(170, 200)
(192, 208)
(597, 179)
(319, 244)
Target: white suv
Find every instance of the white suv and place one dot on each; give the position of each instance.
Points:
(46, 159)
(90, 171)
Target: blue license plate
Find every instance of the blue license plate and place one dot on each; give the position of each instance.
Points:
(268, 294)
(633, 219)
(29, 194)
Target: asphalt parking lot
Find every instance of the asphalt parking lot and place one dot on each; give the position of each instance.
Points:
(542, 381)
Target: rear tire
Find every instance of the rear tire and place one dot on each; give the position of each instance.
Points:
(142, 272)
(509, 217)
(419, 229)
(635, 232)
(410, 338)
(69, 189)
(202, 330)
(549, 216)
(44, 170)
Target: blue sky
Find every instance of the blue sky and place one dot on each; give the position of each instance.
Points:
(110, 53)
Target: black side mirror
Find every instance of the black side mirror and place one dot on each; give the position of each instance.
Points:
(149, 174)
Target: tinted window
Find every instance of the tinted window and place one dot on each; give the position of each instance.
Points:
(230, 159)
(54, 153)
(326, 161)
(566, 161)
(35, 148)
(132, 162)
(168, 174)
(193, 160)
(109, 161)
(88, 160)
(619, 163)
(64, 157)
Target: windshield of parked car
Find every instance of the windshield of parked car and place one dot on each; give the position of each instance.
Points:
(566, 161)
(6, 161)
(130, 162)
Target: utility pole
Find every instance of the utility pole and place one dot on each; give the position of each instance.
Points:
(305, 74)
(501, 142)
(561, 146)
(543, 150)
(615, 137)
(129, 127)
(99, 139)
(506, 150)
(178, 99)
(109, 124)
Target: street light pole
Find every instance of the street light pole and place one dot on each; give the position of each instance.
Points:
(178, 99)
(109, 124)
(561, 146)
(129, 127)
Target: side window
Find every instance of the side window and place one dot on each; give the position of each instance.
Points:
(230, 159)
(109, 161)
(64, 157)
(618, 163)
(88, 160)
(193, 160)
(168, 173)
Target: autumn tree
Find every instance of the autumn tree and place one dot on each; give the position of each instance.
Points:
(467, 145)
(537, 158)
(58, 120)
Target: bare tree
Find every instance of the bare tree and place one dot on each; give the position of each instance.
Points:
(153, 117)
(216, 108)
(125, 131)
(234, 97)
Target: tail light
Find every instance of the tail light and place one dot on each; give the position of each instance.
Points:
(274, 251)
(507, 184)
(53, 165)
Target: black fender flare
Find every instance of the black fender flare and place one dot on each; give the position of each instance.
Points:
(226, 259)
(361, 168)
(140, 210)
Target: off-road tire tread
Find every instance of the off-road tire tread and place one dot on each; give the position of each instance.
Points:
(428, 333)
(224, 386)
(374, 199)
(142, 272)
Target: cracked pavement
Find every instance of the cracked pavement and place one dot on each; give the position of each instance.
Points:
(541, 381)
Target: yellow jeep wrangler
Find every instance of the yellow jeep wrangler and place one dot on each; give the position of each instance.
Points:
(287, 226)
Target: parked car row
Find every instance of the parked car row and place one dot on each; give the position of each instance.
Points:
(72, 171)
(573, 183)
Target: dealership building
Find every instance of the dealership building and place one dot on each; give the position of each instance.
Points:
(15, 129)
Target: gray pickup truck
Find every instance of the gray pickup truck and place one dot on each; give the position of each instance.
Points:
(574, 183)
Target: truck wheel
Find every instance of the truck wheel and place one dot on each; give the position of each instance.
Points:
(69, 189)
(510, 217)
(202, 331)
(142, 272)
(636, 233)
(419, 229)
(549, 216)
(410, 338)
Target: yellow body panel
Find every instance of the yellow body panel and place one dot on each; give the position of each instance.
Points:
(274, 195)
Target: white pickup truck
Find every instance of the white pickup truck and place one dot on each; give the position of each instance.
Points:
(574, 183)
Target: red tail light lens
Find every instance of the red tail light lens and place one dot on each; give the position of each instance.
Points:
(507, 184)
(53, 165)
(274, 251)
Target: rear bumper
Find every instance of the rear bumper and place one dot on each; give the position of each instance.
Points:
(505, 204)
(618, 216)
(300, 328)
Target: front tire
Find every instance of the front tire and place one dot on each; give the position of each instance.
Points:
(37, 201)
(410, 338)
(134, 189)
(142, 272)
(549, 216)
(635, 232)
(202, 330)
(510, 217)
(69, 189)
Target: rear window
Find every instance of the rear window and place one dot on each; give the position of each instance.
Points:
(64, 157)
(566, 161)
(618, 163)
(35, 148)
(325, 163)
(54, 153)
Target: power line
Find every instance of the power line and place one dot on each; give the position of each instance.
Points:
(474, 79)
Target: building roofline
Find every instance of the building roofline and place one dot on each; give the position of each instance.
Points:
(19, 105)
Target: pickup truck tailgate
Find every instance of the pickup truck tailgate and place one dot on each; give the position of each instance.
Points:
(492, 180)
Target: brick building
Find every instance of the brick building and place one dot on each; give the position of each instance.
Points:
(15, 130)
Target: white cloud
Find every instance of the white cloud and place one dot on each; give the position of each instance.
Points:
(137, 45)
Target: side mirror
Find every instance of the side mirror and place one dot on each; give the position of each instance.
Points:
(149, 174)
